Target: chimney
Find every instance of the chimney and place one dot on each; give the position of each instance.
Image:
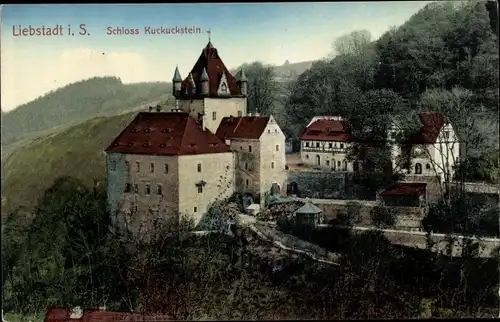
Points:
(158, 108)
(231, 118)
(150, 109)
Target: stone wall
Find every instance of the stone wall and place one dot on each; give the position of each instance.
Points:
(407, 217)
(328, 185)
(318, 184)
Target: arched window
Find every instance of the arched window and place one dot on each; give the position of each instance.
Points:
(428, 166)
(334, 163)
(418, 168)
(318, 160)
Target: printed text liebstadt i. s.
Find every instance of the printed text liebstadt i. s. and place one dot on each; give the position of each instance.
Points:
(47, 31)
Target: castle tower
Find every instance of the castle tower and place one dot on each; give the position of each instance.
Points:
(176, 82)
(210, 92)
(242, 82)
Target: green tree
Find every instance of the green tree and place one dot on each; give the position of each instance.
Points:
(263, 89)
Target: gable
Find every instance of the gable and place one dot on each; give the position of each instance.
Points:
(223, 89)
(272, 129)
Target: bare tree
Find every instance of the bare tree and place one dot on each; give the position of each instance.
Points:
(354, 43)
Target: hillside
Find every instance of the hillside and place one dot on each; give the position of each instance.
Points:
(75, 103)
(288, 70)
(292, 69)
(77, 151)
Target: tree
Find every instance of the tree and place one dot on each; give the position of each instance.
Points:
(354, 43)
(262, 87)
(458, 107)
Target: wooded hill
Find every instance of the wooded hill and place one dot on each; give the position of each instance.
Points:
(77, 102)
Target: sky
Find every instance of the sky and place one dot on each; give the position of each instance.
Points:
(268, 32)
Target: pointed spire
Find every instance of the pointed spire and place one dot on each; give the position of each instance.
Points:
(241, 76)
(204, 75)
(177, 75)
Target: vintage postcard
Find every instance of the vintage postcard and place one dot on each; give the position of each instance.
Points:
(250, 161)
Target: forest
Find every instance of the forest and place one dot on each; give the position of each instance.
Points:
(65, 253)
(443, 59)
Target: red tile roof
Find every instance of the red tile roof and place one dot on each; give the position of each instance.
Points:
(166, 133)
(429, 131)
(63, 315)
(242, 127)
(211, 61)
(413, 189)
(327, 130)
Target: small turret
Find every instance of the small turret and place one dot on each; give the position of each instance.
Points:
(205, 81)
(191, 85)
(176, 82)
(242, 82)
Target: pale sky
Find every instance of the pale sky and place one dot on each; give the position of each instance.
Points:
(272, 33)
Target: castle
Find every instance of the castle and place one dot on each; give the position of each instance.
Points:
(205, 148)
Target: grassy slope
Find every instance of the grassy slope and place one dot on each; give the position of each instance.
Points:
(76, 152)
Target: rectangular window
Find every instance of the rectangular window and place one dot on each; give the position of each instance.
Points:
(112, 165)
(330, 145)
(268, 131)
(214, 116)
(138, 167)
(249, 148)
(247, 182)
(317, 144)
(148, 189)
(159, 190)
(166, 168)
(136, 188)
(277, 147)
(199, 167)
(127, 167)
(152, 167)
(195, 209)
(246, 166)
(200, 188)
(341, 145)
(272, 165)
(128, 187)
(307, 144)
